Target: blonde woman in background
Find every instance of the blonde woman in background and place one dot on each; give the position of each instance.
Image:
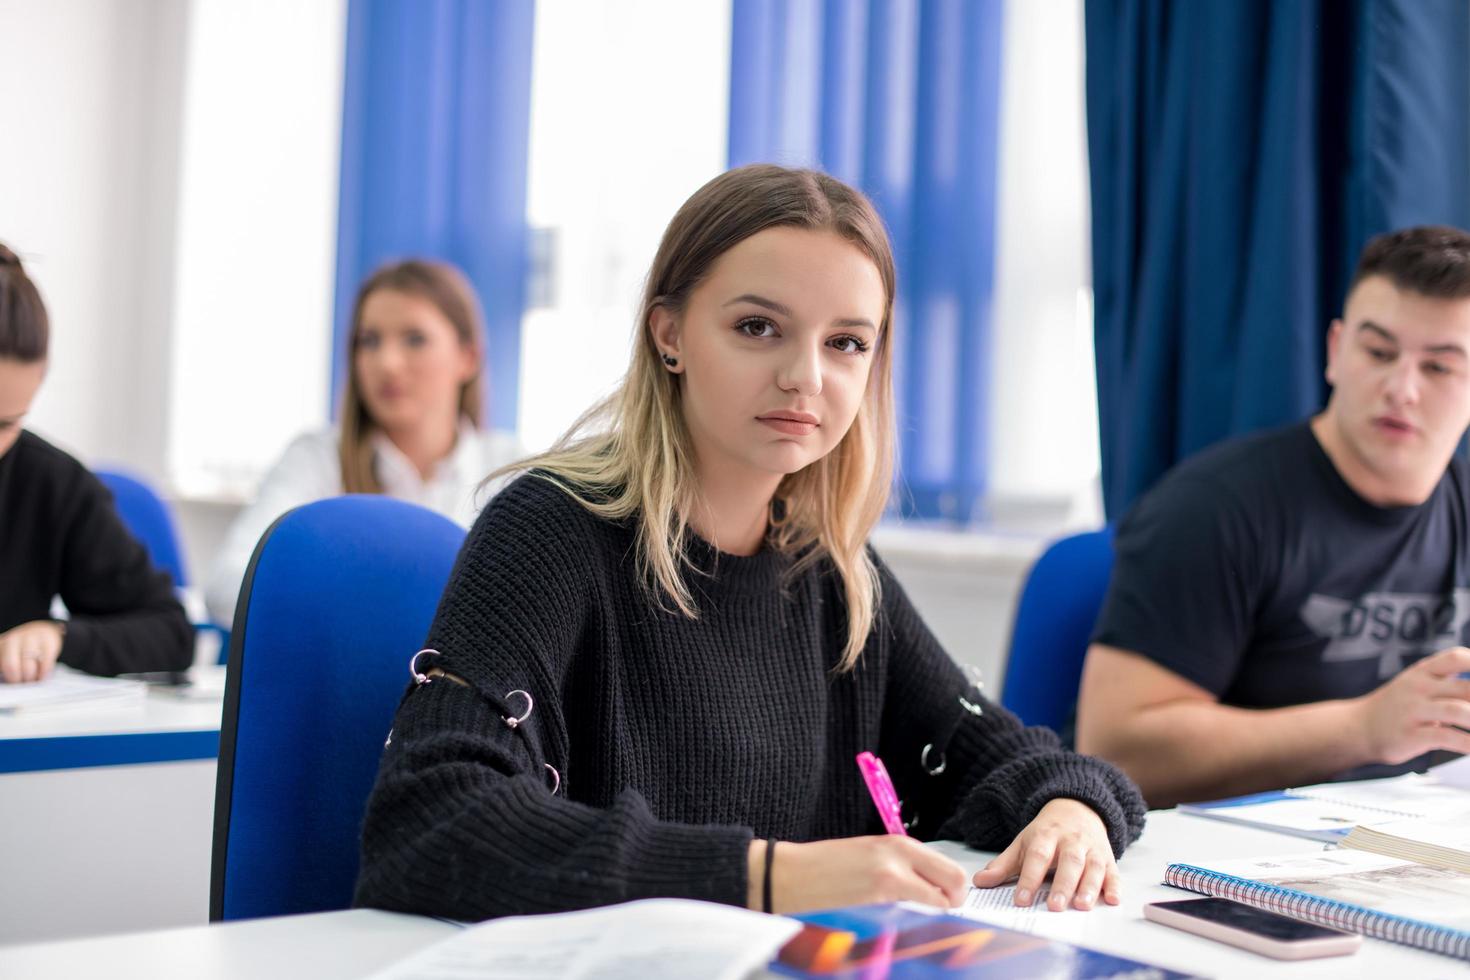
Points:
(410, 420)
(678, 609)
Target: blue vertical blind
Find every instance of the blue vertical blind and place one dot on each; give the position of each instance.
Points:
(435, 142)
(1242, 153)
(900, 99)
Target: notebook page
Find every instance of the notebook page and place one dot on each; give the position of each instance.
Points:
(1407, 796)
(655, 939)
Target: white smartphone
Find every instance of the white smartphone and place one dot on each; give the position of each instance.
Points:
(1249, 928)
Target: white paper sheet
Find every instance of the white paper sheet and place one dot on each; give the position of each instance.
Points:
(655, 939)
(1456, 773)
(67, 688)
(997, 906)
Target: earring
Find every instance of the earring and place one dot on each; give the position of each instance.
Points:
(670, 360)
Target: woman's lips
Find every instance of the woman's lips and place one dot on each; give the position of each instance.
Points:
(791, 425)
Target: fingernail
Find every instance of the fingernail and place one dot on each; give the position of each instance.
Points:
(1023, 896)
(1086, 899)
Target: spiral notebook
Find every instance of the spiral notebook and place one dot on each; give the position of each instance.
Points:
(1377, 896)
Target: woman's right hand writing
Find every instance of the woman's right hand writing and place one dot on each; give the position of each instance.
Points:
(855, 871)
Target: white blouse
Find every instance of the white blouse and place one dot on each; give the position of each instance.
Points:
(310, 469)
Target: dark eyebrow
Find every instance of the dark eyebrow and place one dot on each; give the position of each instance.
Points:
(1432, 349)
(769, 304)
(1372, 327)
(776, 307)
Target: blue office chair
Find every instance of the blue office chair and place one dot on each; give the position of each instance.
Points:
(145, 514)
(152, 523)
(337, 598)
(1059, 604)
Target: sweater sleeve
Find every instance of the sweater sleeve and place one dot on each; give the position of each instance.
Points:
(463, 821)
(996, 774)
(124, 614)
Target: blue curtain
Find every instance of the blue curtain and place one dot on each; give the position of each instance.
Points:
(435, 139)
(900, 99)
(1242, 153)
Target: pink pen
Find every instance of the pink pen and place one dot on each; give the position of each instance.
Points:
(880, 787)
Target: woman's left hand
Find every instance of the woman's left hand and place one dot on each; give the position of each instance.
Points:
(1069, 837)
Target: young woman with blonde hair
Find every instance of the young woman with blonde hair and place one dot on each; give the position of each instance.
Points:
(411, 419)
(663, 646)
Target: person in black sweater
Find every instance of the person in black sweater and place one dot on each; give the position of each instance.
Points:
(61, 536)
(662, 647)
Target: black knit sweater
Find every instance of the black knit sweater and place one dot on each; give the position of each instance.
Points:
(60, 535)
(676, 740)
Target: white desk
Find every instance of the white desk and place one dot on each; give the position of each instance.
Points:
(108, 818)
(355, 943)
(324, 946)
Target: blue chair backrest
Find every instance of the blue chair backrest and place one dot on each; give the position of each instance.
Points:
(145, 514)
(338, 597)
(1059, 604)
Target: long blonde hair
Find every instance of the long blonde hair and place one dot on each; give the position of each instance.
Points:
(451, 293)
(631, 454)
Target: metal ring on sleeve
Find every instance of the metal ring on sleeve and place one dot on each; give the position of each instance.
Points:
(413, 666)
(924, 760)
(530, 706)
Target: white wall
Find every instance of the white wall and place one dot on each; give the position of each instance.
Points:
(257, 236)
(170, 180)
(1043, 392)
(629, 109)
(86, 184)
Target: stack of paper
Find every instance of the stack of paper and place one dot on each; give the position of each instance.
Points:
(69, 689)
(1437, 843)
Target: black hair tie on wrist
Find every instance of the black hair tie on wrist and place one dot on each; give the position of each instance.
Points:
(766, 881)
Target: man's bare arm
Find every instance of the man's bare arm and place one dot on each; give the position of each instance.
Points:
(1179, 743)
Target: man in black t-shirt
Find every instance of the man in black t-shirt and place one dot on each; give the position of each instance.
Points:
(1293, 606)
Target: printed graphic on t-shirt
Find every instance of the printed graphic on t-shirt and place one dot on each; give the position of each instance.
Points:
(1397, 628)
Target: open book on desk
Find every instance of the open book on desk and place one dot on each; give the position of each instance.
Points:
(1329, 811)
(1354, 891)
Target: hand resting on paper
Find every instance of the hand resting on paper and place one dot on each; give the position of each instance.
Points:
(28, 652)
(1069, 838)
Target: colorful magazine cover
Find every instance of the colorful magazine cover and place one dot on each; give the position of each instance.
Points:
(897, 942)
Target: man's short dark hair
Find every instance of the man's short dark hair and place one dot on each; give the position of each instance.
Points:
(1431, 260)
